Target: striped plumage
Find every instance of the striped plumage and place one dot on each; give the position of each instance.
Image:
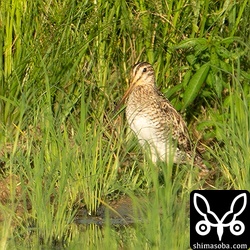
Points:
(155, 121)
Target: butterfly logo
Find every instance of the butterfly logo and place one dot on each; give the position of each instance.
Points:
(203, 227)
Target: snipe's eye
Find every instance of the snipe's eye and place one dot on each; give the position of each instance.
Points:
(144, 70)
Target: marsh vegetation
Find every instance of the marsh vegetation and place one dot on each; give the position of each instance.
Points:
(63, 67)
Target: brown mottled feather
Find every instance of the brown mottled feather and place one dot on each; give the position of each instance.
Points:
(179, 132)
(155, 121)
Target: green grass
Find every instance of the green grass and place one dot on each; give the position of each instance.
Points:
(64, 65)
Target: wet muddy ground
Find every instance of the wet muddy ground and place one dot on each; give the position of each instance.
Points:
(10, 190)
(119, 212)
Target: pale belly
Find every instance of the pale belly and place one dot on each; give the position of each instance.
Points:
(147, 135)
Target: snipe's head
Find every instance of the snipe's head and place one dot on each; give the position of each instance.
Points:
(142, 74)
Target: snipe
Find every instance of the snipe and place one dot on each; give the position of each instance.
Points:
(155, 121)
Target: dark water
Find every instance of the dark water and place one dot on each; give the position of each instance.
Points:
(121, 212)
